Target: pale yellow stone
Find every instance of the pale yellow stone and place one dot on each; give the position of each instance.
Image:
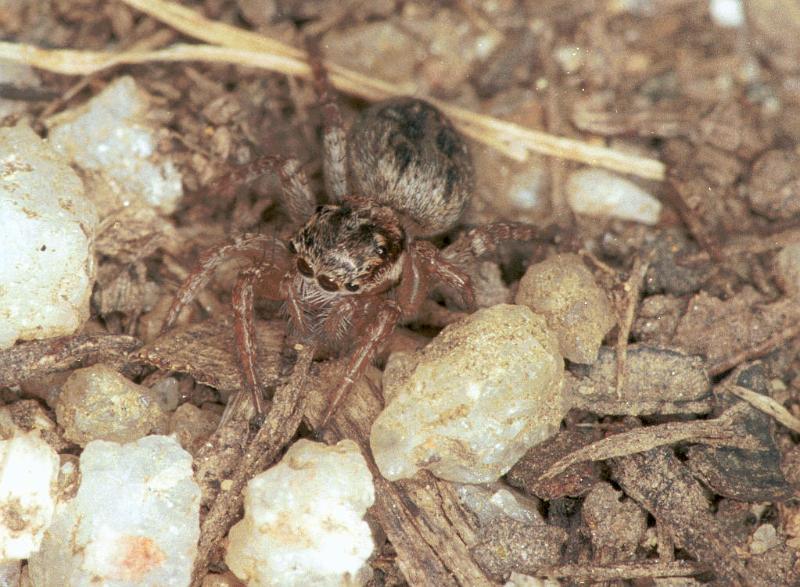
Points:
(481, 394)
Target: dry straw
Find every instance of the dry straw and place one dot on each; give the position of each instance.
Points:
(229, 44)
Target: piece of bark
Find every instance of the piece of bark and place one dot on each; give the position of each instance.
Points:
(574, 481)
(734, 331)
(422, 517)
(509, 545)
(615, 526)
(279, 427)
(725, 430)
(658, 381)
(37, 358)
(664, 487)
(206, 352)
(738, 473)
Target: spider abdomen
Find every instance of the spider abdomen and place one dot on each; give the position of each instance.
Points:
(405, 154)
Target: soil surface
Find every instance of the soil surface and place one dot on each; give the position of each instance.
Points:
(682, 467)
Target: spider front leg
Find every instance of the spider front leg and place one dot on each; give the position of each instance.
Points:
(334, 140)
(247, 245)
(433, 263)
(483, 240)
(245, 333)
(380, 319)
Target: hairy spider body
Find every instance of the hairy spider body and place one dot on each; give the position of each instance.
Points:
(356, 267)
(409, 157)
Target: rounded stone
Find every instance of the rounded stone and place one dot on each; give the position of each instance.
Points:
(578, 311)
(484, 391)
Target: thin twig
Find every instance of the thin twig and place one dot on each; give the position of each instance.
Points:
(767, 405)
(631, 289)
(250, 49)
(278, 429)
(719, 431)
(626, 570)
(767, 346)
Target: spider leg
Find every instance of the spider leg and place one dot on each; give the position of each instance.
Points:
(244, 330)
(381, 322)
(334, 139)
(297, 196)
(248, 244)
(483, 240)
(444, 270)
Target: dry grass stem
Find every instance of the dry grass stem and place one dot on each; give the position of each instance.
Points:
(229, 44)
(719, 431)
(767, 405)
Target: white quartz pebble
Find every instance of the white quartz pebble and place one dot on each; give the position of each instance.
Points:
(111, 139)
(484, 391)
(597, 192)
(47, 263)
(134, 522)
(28, 474)
(303, 520)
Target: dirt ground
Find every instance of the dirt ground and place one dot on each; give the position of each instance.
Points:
(653, 482)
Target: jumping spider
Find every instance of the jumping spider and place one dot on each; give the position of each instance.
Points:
(356, 267)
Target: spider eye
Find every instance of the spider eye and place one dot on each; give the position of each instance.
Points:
(292, 248)
(351, 286)
(304, 268)
(327, 283)
(381, 251)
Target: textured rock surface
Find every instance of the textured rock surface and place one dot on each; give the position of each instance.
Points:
(111, 139)
(564, 291)
(303, 521)
(479, 395)
(98, 403)
(787, 265)
(134, 521)
(28, 473)
(596, 192)
(46, 276)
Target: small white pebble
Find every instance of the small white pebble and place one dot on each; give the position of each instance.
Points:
(484, 391)
(111, 135)
(727, 13)
(134, 521)
(28, 474)
(597, 192)
(47, 266)
(520, 580)
(303, 522)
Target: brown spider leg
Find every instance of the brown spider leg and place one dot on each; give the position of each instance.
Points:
(334, 141)
(209, 261)
(414, 287)
(445, 271)
(244, 330)
(294, 303)
(381, 323)
(483, 240)
(297, 196)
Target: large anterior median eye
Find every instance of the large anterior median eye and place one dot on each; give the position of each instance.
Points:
(327, 283)
(304, 268)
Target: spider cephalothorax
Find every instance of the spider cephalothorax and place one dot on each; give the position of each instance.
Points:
(357, 266)
(352, 247)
